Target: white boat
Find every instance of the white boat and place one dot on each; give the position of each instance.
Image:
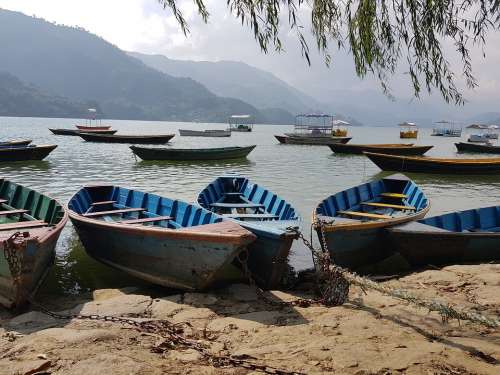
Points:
(204, 133)
(478, 138)
(240, 123)
(447, 129)
(486, 133)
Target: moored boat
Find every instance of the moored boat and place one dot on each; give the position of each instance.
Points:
(92, 128)
(393, 149)
(161, 240)
(204, 133)
(350, 224)
(92, 123)
(75, 132)
(422, 164)
(125, 138)
(479, 148)
(263, 213)
(220, 153)
(240, 123)
(22, 153)
(25, 259)
(446, 129)
(310, 140)
(16, 143)
(408, 130)
(451, 238)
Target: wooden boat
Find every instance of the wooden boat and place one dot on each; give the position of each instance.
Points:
(164, 241)
(408, 130)
(353, 220)
(456, 237)
(393, 149)
(221, 153)
(30, 152)
(240, 123)
(40, 219)
(204, 133)
(310, 140)
(17, 143)
(122, 138)
(479, 148)
(92, 123)
(264, 214)
(434, 165)
(91, 128)
(76, 132)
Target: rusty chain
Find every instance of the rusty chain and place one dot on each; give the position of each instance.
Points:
(10, 251)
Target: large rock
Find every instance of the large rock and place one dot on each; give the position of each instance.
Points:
(122, 305)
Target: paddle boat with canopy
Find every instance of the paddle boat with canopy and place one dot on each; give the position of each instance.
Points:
(241, 123)
(408, 130)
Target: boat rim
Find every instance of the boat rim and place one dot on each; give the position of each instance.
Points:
(440, 160)
(193, 149)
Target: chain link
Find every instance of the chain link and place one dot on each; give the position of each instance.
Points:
(11, 249)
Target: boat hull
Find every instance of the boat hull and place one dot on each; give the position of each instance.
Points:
(478, 148)
(8, 154)
(191, 154)
(75, 132)
(433, 165)
(92, 128)
(201, 133)
(35, 249)
(393, 149)
(179, 263)
(136, 139)
(323, 141)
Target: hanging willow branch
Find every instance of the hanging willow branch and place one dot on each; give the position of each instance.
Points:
(378, 34)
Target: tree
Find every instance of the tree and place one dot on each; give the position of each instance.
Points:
(379, 34)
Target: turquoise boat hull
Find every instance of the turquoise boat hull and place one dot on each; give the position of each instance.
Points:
(192, 250)
(352, 230)
(268, 257)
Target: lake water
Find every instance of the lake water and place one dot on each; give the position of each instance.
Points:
(303, 175)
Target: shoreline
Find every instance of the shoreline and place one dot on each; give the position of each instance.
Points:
(369, 334)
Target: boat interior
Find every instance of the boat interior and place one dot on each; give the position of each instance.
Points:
(378, 200)
(238, 198)
(22, 208)
(130, 207)
(485, 219)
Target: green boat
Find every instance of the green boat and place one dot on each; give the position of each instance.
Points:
(221, 153)
(30, 225)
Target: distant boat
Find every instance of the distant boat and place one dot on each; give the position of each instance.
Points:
(122, 138)
(452, 238)
(40, 219)
(92, 123)
(340, 128)
(435, 165)
(75, 132)
(393, 149)
(479, 148)
(161, 240)
(263, 213)
(204, 133)
(23, 153)
(240, 123)
(354, 219)
(408, 130)
(446, 129)
(16, 143)
(310, 140)
(178, 154)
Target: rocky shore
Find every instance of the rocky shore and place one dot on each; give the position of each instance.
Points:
(370, 334)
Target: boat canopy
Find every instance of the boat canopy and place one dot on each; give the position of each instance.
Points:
(408, 124)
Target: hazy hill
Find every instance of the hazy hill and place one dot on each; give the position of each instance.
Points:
(73, 63)
(20, 99)
(238, 80)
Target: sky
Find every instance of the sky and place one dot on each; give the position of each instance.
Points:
(144, 26)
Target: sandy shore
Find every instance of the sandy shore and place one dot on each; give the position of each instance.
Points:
(371, 334)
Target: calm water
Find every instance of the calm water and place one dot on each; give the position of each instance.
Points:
(303, 175)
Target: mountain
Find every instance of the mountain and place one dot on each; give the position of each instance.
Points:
(71, 62)
(485, 118)
(19, 99)
(238, 80)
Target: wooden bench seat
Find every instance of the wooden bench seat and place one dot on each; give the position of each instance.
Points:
(251, 216)
(387, 205)
(146, 220)
(237, 205)
(234, 194)
(394, 195)
(102, 203)
(113, 212)
(364, 215)
(23, 224)
(12, 212)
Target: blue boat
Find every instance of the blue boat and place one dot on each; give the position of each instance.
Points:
(264, 214)
(164, 241)
(353, 220)
(455, 237)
